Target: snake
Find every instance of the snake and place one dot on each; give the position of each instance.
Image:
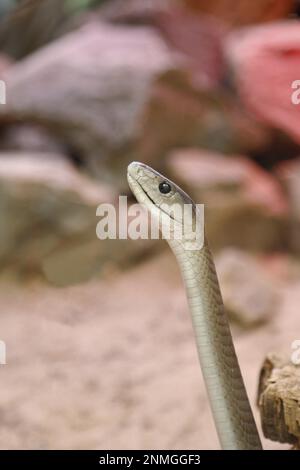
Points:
(224, 383)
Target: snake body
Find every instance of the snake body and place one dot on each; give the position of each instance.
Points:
(230, 406)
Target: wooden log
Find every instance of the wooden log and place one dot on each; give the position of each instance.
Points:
(279, 400)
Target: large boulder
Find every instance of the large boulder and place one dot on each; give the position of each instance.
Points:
(116, 93)
(48, 221)
(244, 205)
(91, 87)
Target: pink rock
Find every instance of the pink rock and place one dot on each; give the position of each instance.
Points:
(115, 93)
(200, 39)
(266, 62)
(90, 88)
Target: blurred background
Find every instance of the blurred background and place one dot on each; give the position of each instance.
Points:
(100, 348)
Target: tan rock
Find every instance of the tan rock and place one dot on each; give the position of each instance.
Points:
(249, 295)
(244, 205)
(48, 221)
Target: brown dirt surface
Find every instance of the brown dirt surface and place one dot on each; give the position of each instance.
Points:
(112, 363)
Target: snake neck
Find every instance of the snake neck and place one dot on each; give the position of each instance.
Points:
(227, 394)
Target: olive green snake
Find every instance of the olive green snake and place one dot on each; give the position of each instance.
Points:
(228, 398)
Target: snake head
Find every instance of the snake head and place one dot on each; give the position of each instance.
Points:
(175, 212)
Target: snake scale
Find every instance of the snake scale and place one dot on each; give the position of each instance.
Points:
(228, 398)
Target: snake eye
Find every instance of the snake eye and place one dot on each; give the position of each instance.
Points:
(164, 187)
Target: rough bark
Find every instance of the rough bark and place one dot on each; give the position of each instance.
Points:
(279, 400)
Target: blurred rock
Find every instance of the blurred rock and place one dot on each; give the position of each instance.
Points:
(279, 400)
(29, 138)
(37, 22)
(244, 205)
(289, 175)
(245, 11)
(209, 120)
(87, 258)
(48, 221)
(200, 39)
(6, 6)
(114, 94)
(249, 296)
(265, 63)
(134, 11)
(5, 63)
(90, 87)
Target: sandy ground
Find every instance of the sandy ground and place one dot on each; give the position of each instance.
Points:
(112, 363)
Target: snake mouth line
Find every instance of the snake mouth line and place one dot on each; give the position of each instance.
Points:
(153, 202)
